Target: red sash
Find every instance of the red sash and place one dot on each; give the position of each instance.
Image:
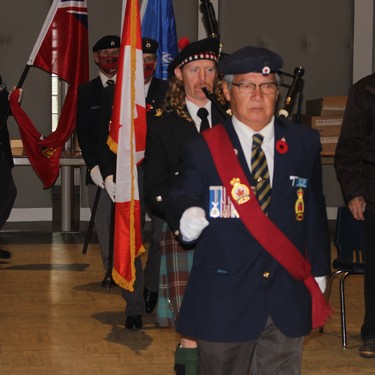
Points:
(265, 231)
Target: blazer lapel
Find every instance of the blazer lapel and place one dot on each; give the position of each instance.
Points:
(280, 164)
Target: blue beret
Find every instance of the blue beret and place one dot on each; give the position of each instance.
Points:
(107, 42)
(251, 59)
(204, 49)
(149, 45)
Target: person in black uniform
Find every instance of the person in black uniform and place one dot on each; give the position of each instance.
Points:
(355, 167)
(155, 90)
(106, 52)
(8, 191)
(193, 69)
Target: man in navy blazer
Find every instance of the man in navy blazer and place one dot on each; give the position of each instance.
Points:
(248, 311)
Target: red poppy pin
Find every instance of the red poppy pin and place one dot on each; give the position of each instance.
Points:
(281, 146)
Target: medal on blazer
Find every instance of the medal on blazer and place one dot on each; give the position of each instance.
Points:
(300, 205)
(215, 198)
(240, 192)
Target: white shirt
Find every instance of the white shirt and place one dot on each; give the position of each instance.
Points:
(104, 78)
(245, 135)
(193, 109)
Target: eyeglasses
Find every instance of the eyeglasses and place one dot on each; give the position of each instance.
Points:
(248, 88)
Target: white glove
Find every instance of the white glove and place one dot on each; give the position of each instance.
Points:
(96, 176)
(322, 282)
(110, 186)
(192, 223)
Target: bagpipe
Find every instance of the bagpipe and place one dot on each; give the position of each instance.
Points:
(295, 88)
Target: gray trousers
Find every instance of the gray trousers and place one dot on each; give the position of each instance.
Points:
(103, 218)
(135, 303)
(271, 354)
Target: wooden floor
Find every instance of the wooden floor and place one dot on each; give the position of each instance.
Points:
(55, 319)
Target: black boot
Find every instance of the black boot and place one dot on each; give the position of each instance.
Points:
(4, 254)
(186, 361)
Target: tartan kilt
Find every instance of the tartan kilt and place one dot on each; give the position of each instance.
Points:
(175, 266)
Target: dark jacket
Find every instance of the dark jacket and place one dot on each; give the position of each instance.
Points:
(89, 107)
(355, 152)
(155, 97)
(8, 190)
(165, 139)
(235, 284)
(4, 134)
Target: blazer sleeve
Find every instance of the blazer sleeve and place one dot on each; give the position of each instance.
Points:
(156, 171)
(84, 127)
(189, 187)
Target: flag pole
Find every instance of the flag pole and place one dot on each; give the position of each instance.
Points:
(91, 222)
(23, 76)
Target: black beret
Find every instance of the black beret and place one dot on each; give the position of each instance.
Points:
(205, 49)
(251, 59)
(149, 45)
(107, 42)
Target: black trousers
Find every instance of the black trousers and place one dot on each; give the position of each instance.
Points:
(368, 327)
(8, 191)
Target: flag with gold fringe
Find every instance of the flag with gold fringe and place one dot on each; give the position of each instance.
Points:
(127, 138)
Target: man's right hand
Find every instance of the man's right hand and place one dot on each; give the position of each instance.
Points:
(96, 176)
(192, 223)
(357, 207)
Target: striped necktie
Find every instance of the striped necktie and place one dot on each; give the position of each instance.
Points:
(261, 176)
(203, 115)
(110, 82)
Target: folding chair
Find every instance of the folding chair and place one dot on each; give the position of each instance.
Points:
(349, 243)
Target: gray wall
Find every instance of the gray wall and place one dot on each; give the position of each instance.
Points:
(315, 34)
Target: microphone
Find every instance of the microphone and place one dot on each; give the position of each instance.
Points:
(285, 112)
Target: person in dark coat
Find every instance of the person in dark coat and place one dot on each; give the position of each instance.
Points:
(8, 190)
(138, 301)
(105, 52)
(193, 68)
(355, 167)
(247, 192)
(155, 90)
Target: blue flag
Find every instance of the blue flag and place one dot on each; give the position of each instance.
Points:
(158, 23)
